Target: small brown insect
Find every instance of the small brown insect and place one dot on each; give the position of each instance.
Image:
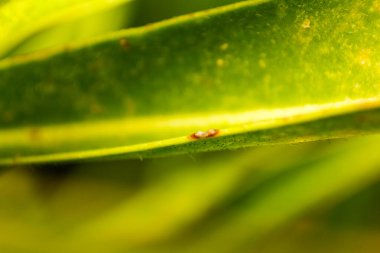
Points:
(203, 135)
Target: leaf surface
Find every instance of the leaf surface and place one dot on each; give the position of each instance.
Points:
(260, 72)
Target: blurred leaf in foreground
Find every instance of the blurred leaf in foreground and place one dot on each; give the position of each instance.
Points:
(44, 23)
(239, 198)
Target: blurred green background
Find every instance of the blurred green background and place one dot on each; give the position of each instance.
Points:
(316, 197)
(313, 197)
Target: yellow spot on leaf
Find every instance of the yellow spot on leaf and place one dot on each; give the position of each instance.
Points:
(364, 58)
(220, 62)
(262, 64)
(224, 46)
(306, 24)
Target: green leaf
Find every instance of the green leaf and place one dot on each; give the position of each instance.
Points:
(344, 171)
(260, 72)
(25, 19)
(146, 10)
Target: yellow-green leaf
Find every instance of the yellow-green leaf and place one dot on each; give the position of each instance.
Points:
(260, 72)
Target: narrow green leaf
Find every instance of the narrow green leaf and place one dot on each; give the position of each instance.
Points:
(22, 19)
(89, 26)
(260, 72)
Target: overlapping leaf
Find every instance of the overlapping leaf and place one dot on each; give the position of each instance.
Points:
(22, 19)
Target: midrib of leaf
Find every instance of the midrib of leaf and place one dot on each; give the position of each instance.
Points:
(55, 138)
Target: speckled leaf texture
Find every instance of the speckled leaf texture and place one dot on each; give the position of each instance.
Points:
(260, 72)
